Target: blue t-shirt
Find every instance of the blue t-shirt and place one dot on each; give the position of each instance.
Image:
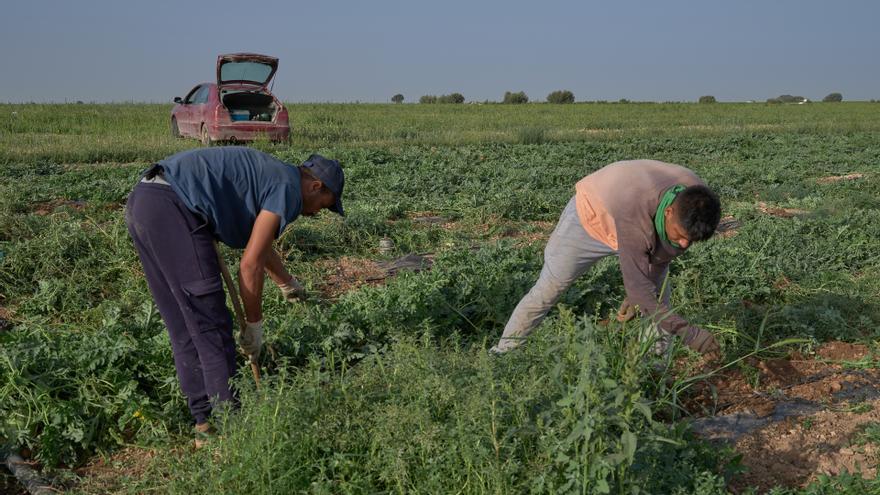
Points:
(229, 185)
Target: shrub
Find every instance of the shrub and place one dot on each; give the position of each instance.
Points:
(398, 98)
(515, 98)
(451, 98)
(786, 99)
(561, 96)
(707, 99)
(833, 98)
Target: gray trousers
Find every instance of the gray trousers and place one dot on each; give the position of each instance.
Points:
(570, 252)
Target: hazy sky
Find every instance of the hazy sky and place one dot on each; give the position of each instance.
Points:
(153, 50)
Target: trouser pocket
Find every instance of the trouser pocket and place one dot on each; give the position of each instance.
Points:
(207, 303)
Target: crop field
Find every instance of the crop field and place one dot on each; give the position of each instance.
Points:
(381, 381)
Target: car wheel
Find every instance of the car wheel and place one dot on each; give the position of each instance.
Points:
(206, 139)
(175, 131)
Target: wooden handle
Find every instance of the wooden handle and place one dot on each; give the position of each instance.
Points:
(236, 308)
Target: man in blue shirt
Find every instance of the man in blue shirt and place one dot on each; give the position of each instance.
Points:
(243, 198)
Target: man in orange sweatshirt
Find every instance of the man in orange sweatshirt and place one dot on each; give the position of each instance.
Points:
(646, 213)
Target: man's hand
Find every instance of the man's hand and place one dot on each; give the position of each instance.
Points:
(702, 341)
(293, 290)
(251, 340)
(626, 312)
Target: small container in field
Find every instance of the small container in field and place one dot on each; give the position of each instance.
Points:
(386, 245)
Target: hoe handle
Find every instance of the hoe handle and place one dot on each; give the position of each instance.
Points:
(236, 307)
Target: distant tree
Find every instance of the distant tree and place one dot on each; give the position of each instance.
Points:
(833, 98)
(428, 99)
(398, 98)
(451, 98)
(561, 96)
(790, 99)
(707, 99)
(773, 100)
(518, 97)
(623, 100)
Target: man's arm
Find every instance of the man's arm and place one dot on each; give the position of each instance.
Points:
(641, 290)
(275, 268)
(658, 274)
(254, 261)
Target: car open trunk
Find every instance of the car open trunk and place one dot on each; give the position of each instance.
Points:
(250, 106)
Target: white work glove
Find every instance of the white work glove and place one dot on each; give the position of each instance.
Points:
(293, 290)
(252, 339)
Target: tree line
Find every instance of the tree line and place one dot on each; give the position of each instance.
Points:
(565, 96)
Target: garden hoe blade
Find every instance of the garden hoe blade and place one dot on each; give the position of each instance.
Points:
(237, 308)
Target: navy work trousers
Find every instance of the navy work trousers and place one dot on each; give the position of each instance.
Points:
(176, 249)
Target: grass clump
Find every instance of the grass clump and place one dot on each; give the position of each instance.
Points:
(564, 415)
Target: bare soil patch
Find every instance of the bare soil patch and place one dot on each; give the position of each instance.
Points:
(780, 212)
(6, 319)
(838, 178)
(793, 418)
(48, 207)
(112, 474)
(348, 273)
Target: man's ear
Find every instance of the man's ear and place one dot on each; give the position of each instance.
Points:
(315, 186)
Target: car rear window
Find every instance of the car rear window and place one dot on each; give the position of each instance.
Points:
(245, 71)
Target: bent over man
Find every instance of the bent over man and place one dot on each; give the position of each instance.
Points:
(645, 212)
(245, 199)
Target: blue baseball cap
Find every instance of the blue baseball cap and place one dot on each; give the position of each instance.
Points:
(330, 173)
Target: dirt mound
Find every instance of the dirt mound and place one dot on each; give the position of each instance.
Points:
(794, 418)
(838, 178)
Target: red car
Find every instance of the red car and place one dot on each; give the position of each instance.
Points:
(239, 107)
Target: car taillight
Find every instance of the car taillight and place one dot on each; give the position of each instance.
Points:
(221, 114)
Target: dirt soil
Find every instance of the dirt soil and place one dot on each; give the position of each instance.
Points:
(48, 207)
(838, 178)
(6, 320)
(780, 212)
(348, 273)
(110, 474)
(795, 418)
(9, 485)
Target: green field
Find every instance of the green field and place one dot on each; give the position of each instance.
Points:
(386, 386)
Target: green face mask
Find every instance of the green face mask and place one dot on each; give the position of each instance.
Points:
(660, 218)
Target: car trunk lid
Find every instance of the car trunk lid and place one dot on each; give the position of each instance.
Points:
(246, 68)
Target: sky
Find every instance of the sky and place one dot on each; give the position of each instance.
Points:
(367, 51)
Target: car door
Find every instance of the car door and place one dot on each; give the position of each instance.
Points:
(200, 108)
(185, 116)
